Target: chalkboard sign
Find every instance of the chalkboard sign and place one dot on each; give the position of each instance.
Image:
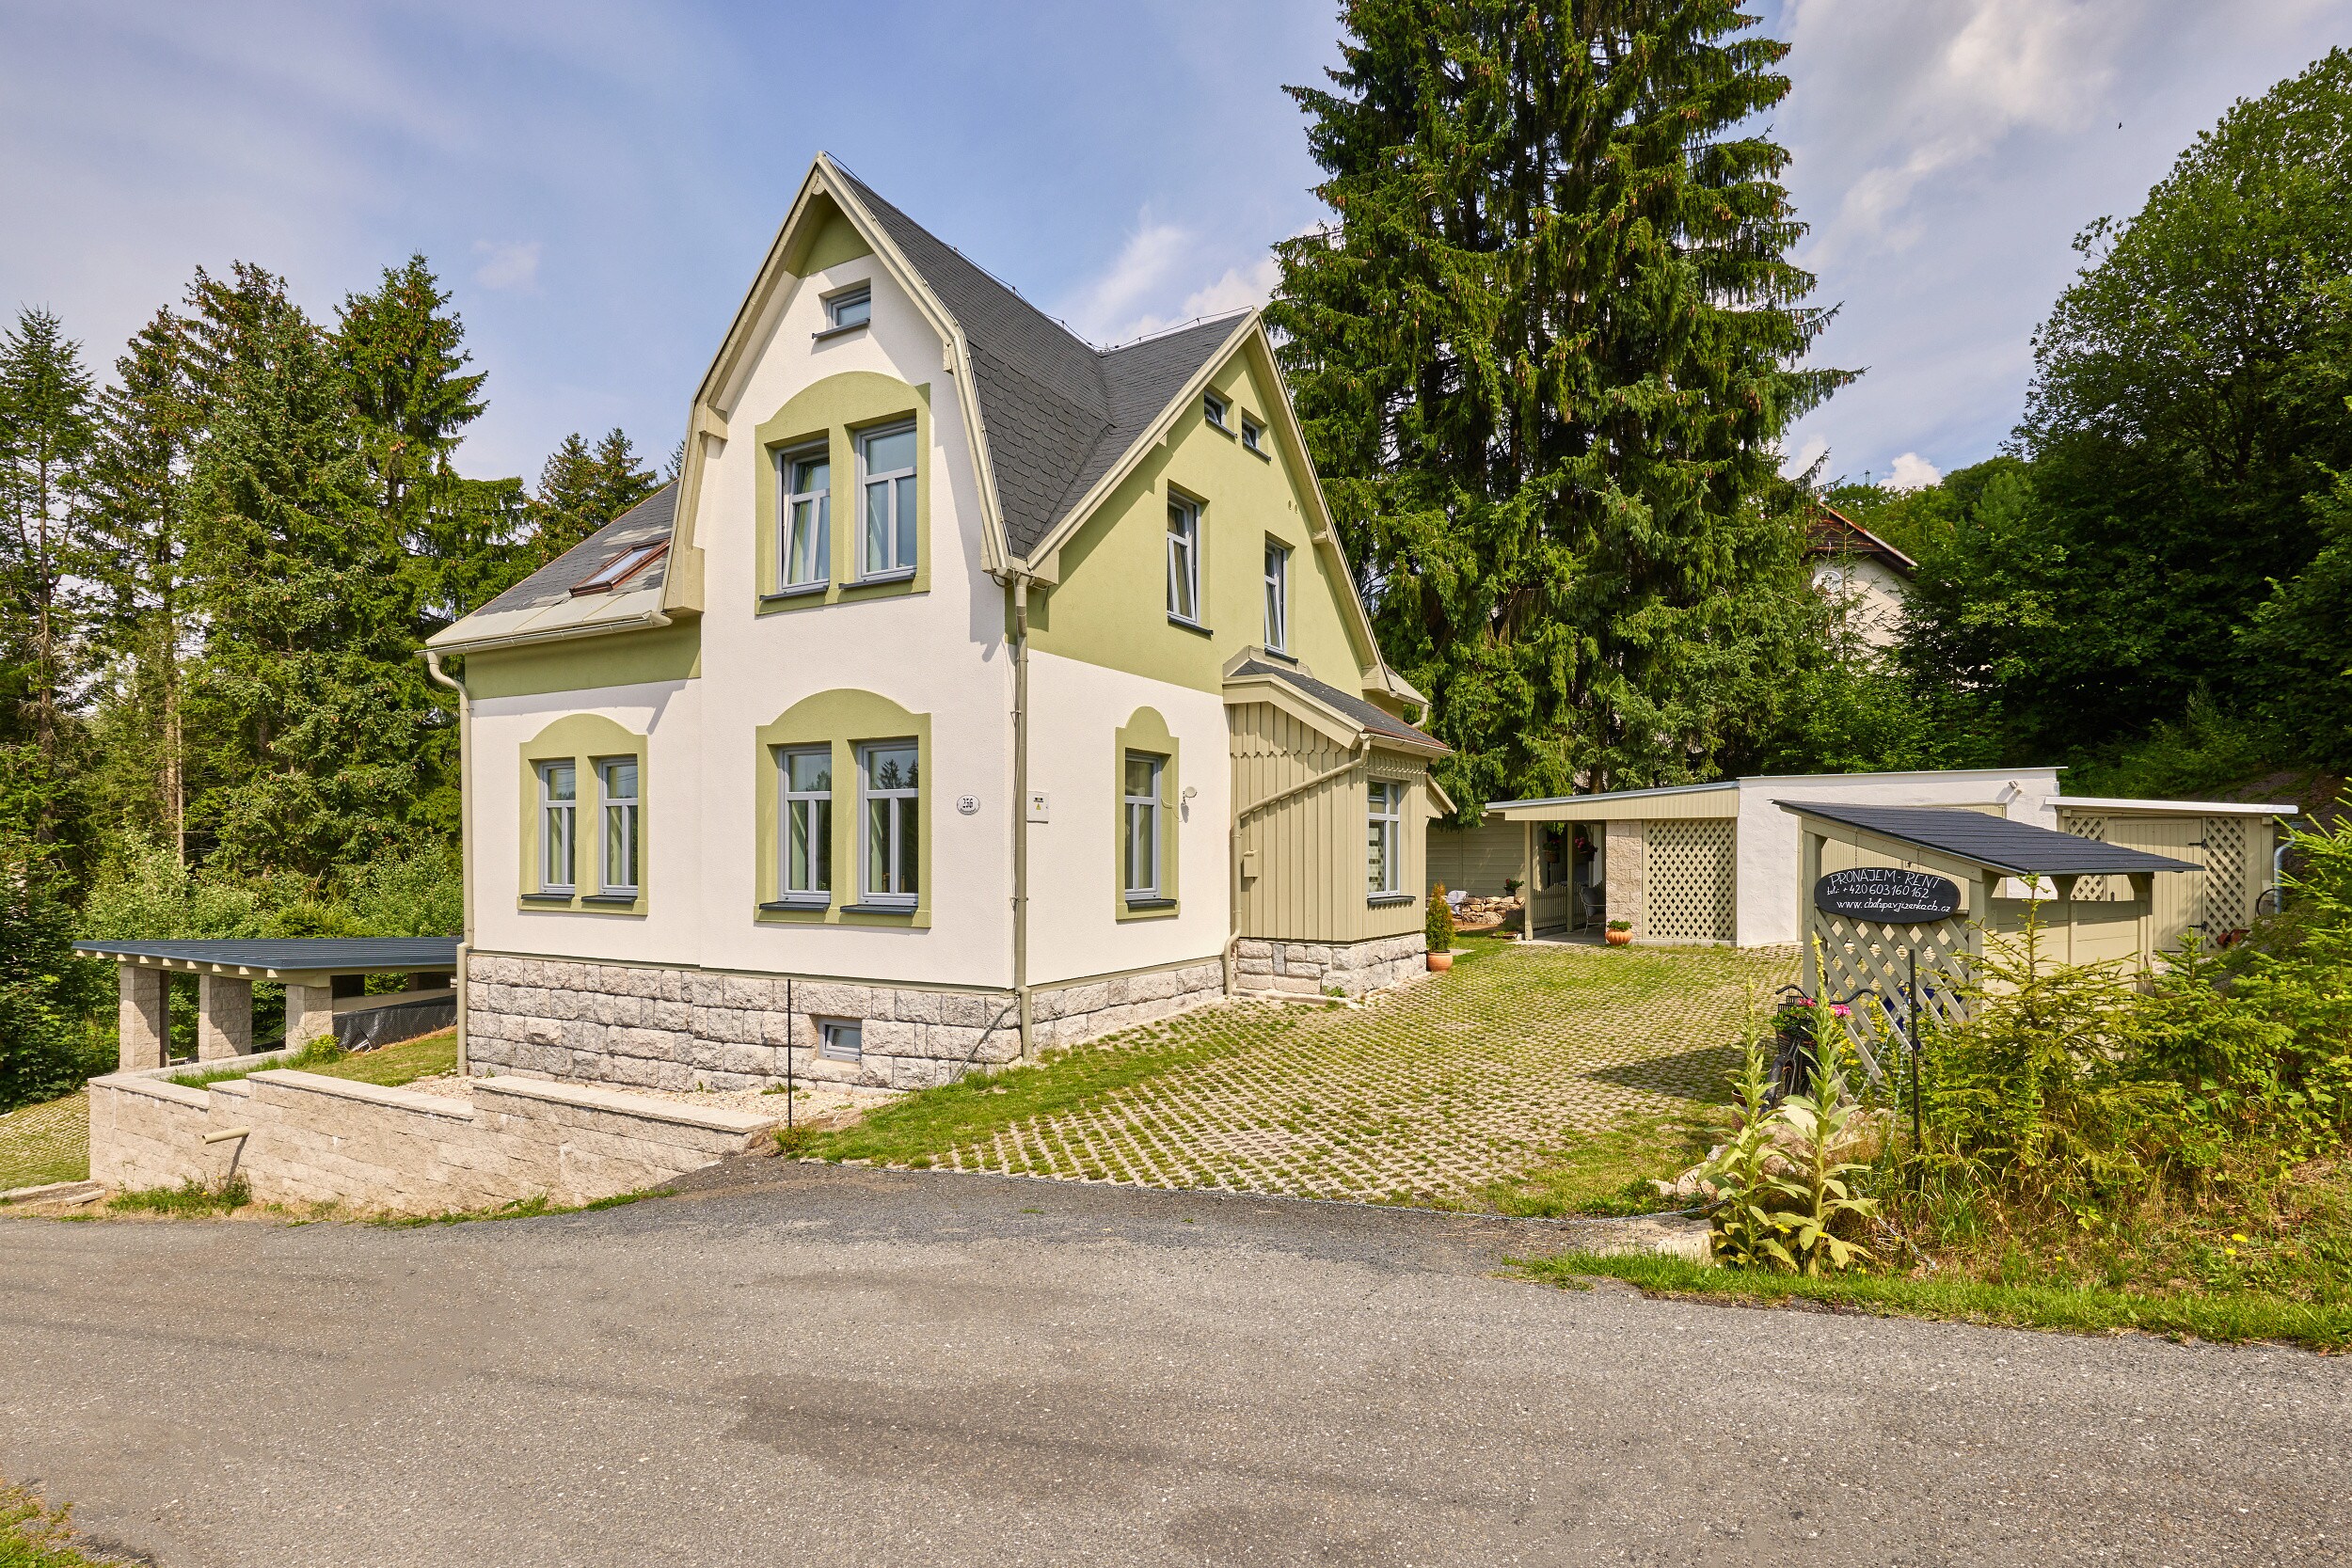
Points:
(1883, 894)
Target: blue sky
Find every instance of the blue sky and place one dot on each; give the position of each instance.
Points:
(597, 179)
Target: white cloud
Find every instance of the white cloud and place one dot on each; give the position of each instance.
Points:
(1815, 449)
(507, 265)
(1138, 294)
(1912, 472)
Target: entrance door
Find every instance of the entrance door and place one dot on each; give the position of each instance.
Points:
(1547, 902)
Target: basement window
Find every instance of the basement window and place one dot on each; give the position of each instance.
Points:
(840, 1040)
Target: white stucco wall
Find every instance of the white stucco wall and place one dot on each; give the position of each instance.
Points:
(1873, 595)
(1771, 850)
(667, 713)
(1075, 930)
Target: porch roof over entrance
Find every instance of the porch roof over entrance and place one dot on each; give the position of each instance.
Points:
(291, 957)
(2013, 848)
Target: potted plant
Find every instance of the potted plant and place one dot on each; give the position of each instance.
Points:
(1620, 932)
(1438, 928)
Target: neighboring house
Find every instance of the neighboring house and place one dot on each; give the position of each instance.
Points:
(1864, 575)
(971, 689)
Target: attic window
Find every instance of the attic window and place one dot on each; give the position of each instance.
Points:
(1213, 409)
(620, 568)
(1252, 435)
(851, 306)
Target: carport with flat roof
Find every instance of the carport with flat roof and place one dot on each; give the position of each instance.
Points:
(309, 967)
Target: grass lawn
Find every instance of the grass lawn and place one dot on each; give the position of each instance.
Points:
(387, 1067)
(2234, 1316)
(1609, 1173)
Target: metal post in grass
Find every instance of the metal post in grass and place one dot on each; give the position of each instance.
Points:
(788, 1093)
(1918, 1117)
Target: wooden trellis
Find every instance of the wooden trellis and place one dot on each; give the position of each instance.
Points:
(1692, 880)
(1865, 956)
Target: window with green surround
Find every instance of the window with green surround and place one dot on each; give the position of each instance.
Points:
(806, 546)
(1140, 825)
(806, 876)
(616, 782)
(559, 826)
(854, 450)
(582, 837)
(886, 461)
(843, 822)
(890, 781)
(1145, 759)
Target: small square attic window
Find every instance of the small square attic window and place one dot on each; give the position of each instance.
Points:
(1213, 409)
(1252, 435)
(853, 307)
(620, 568)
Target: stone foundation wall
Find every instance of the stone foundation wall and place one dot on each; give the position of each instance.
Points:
(1312, 968)
(683, 1029)
(301, 1137)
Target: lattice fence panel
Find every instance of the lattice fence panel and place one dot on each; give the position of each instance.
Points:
(1867, 956)
(2083, 824)
(2221, 891)
(1693, 877)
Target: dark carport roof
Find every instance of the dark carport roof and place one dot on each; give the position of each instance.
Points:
(296, 954)
(2016, 847)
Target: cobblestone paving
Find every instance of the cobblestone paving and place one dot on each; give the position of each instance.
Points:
(1429, 1094)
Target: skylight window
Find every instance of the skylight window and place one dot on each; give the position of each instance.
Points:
(620, 568)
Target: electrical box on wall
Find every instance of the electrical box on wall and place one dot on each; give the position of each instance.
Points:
(1040, 806)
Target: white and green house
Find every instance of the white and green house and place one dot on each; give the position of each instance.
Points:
(972, 689)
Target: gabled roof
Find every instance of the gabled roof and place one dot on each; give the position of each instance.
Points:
(1059, 411)
(2019, 849)
(543, 604)
(1835, 533)
(1360, 716)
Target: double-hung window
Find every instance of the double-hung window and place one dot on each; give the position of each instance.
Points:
(805, 551)
(558, 824)
(1183, 560)
(1278, 598)
(806, 777)
(1140, 813)
(1383, 839)
(616, 780)
(888, 459)
(890, 777)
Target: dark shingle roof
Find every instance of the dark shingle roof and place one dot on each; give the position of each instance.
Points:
(1059, 411)
(350, 955)
(646, 522)
(2019, 849)
(1371, 717)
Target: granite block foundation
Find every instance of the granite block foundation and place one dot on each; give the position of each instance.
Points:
(1319, 967)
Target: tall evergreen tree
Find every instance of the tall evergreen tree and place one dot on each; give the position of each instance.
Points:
(1544, 354)
(45, 431)
(148, 422)
(581, 489)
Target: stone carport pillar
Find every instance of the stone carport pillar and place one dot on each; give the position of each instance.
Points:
(143, 1023)
(310, 1010)
(224, 1017)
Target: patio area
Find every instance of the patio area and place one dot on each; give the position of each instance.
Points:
(1434, 1094)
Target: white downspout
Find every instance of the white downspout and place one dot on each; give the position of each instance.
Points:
(465, 840)
(1017, 596)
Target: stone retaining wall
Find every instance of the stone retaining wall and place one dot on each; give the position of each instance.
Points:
(1312, 968)
(303, 1137)
(683, 1029)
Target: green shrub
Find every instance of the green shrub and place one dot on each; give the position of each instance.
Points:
(1439, 927)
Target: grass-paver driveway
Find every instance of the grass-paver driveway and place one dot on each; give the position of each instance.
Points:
(1451, 1091)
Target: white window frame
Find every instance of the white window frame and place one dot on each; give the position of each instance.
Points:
(902, 529)
(558, 819)
(839, 303)
(623, 815)
(841, 1040)
(1145, 812)
(810, 803)
(1214, 409)
(1278, 597)
(1383, 839)
(1252, 435)
(905, 815)
(788, 465)
(1184, 560)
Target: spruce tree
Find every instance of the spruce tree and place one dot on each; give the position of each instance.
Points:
(1544, 352)
(147, 424)
(581, 489)
(45, 432)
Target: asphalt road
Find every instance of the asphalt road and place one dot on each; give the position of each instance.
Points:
(806, 1364)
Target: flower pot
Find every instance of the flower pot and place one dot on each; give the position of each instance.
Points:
(1440, 963)
(1620, 938)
